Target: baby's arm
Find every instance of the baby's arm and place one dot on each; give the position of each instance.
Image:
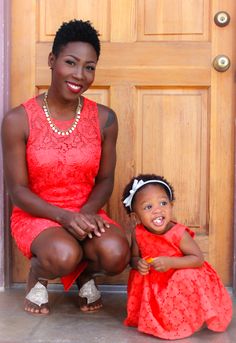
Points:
(192, 258)
(137, 262)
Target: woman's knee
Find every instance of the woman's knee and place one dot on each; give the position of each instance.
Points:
(59, 255)
(60, 262)
(64, 259)
(114, 256)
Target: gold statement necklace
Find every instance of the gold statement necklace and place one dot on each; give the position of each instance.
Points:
(53, 126)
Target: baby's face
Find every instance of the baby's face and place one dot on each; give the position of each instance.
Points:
(153, 208)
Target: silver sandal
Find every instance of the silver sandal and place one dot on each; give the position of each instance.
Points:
(90, 292)
(38, 294)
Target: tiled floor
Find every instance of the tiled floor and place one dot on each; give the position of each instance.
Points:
(66, 324)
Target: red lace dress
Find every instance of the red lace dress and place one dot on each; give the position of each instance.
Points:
(176, 303)
(61, 170)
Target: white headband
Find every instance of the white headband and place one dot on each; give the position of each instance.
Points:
(138, 184)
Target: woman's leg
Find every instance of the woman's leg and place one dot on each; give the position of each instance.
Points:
(108, 254)
(55, 253)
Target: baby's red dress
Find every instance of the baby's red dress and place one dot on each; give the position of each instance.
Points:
(176, 303)
(61, 170)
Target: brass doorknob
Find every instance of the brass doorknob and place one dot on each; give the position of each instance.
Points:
(222, 18)
(221, 63)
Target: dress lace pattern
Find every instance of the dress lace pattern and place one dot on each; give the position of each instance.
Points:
(176, 303)
(61, 169)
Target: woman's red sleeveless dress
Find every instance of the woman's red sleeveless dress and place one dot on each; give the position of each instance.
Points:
(61, 170)
(176, 303)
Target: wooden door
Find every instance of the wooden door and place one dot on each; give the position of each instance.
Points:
(175, 111)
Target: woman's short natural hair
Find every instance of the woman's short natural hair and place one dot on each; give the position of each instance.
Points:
(76, 31)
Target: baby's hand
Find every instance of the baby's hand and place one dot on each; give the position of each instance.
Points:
(143, 266)
(162, 263)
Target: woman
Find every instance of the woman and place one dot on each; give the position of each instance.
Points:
(59, 158)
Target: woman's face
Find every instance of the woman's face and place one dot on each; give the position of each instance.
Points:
(73, 70)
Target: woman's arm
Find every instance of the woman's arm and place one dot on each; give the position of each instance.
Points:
(14, 140)
(104, 181)
(192, 258)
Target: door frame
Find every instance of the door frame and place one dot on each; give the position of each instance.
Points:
(4, 106)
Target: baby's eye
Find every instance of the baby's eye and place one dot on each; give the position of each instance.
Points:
(164, 203)
(147, 207)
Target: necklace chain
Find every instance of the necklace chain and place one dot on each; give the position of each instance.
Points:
(53, 126)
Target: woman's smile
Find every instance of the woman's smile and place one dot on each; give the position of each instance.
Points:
(73, 87)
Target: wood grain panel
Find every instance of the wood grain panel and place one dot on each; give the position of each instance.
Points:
(21, 265)
(122, 102)
(173, 19)
(52, 13)
(123, 27)
(22, 67)
(172, 140)
(99, 95)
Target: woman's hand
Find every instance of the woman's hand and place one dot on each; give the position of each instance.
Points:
(162, 263)
(81, 225)
(143, 266)
(96, 221)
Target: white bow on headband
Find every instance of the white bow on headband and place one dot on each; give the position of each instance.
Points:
(138, 184)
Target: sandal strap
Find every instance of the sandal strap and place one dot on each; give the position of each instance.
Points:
(38, 294)
(90, 291)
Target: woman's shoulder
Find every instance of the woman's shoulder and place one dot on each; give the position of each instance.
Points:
(107, 117)
(14, 116)
(106, 111)
(19, 111)
(17, 118)
(15, 124)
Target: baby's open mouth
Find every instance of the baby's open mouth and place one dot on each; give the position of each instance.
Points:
(159, 220)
